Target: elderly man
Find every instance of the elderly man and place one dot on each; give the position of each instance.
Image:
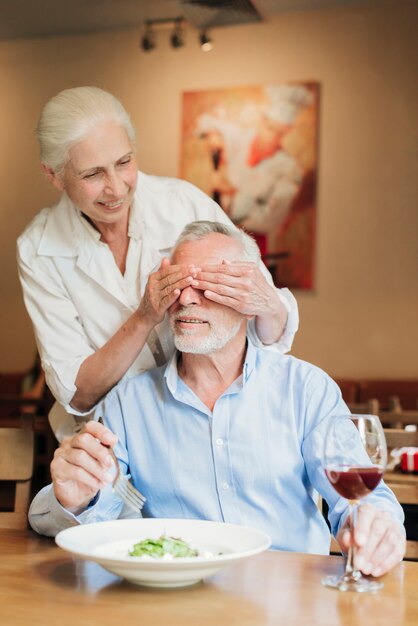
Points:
(225, 431)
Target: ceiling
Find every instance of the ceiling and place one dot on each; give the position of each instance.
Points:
(44, 18)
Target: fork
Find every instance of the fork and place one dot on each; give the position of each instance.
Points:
(123, 487)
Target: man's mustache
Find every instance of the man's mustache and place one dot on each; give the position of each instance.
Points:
(186, 311)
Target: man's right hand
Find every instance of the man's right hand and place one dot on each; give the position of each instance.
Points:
(82, 466)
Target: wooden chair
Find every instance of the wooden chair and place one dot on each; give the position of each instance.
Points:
(400, 438)
(25, 401)
(404, 486)
(349, 389)
(22, 394)
(369, 407)
(16, 466)
(406, 391)
(397, 419)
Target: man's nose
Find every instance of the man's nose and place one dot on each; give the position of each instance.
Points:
(189, 295)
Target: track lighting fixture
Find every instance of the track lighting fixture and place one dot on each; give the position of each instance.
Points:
(148, 40)
(177, 37)
(206, 43)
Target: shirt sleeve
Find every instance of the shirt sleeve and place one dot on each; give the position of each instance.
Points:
(209, 209)
(60, 337)
(324, 401)
(48, 517)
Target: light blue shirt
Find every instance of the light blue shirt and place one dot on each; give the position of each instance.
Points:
(254, 460)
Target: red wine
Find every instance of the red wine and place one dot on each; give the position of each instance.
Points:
(354, 482)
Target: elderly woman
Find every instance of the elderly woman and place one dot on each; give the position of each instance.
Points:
(94, 269)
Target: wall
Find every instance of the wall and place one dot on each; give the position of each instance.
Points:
(361, 320)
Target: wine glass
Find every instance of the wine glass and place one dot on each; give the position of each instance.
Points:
(354, 458)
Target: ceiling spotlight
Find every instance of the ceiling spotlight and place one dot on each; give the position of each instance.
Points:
(206, 42)
(148, 40)
(177, 39)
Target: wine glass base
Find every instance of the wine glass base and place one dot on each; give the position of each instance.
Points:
(347, 583)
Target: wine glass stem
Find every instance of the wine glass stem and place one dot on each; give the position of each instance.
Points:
(350, 571)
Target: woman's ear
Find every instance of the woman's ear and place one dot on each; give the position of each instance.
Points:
(53, 178)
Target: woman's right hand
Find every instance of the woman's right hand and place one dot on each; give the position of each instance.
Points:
(163, 288)
(81, 466)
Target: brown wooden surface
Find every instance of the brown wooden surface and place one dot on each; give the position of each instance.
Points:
(41, 585)
(402, 478)
(400, 438)
(398, 419)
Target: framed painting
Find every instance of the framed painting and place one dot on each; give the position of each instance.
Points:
(255, 151)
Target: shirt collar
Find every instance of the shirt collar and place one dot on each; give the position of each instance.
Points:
(171, 374)
(136, 224)
(86, 225)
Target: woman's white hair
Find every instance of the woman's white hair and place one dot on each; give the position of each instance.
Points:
(68, 117)
(202, 228)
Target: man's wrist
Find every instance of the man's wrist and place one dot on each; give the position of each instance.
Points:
(81, 508)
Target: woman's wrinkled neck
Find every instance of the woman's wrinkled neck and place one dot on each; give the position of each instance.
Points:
(111, 233)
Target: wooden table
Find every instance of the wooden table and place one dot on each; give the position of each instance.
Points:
(400, 478)
(41, 585)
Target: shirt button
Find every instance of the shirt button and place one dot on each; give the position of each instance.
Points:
(225, 486)
(219, 442)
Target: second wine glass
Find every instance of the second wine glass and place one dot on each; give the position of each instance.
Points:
(354, 460)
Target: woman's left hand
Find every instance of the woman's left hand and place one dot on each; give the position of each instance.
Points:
(239, 285)
(242, 286)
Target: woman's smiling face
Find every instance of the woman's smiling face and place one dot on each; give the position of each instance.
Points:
(101, 174)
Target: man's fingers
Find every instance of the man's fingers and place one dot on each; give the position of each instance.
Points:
(97, 431)
(89, 449)
(387, 553)
(379, 543)
(100, 464)
(344, 539)
(365, 554)
(365, 516)
(383, 542)
(88, 474)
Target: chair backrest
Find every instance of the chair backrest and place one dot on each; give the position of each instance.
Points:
(405, 390)
(16, 466)
(23, 394)
(370, 407)
(400, 438)
(349, 389)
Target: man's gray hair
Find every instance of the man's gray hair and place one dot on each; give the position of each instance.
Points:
(68, 117)
(202, 228)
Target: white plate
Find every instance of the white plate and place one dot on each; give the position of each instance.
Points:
(108, 544)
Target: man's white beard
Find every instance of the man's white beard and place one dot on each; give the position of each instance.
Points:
(192, 344)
